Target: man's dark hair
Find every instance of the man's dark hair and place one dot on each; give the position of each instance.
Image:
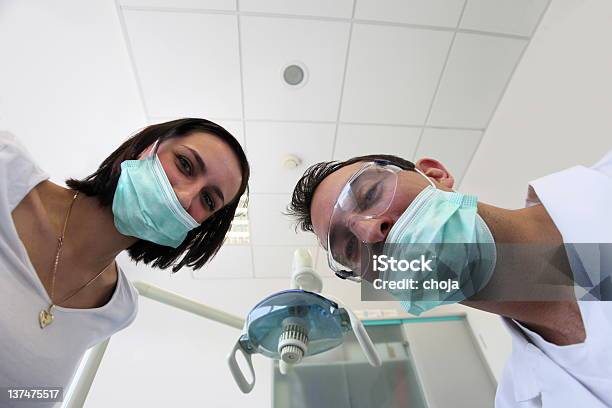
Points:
(314, 175)
(201, 243)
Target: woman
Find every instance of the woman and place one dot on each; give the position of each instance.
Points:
(167, 195)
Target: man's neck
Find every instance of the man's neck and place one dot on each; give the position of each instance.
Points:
(559, 322)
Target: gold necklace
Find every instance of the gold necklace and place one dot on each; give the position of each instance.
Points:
(45, 317)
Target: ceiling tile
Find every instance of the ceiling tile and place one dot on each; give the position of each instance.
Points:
(232, 261)
(269, 143)
(518, 17)
(276, 261)
(269, 226)
(392, 73)
(359, 140)
(271, 44)
(172, 57)
(444, 13)
(453, 148)
(476, 75)
(186, 4)
(326, 8)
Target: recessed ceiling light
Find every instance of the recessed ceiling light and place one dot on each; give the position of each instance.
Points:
(295, 74)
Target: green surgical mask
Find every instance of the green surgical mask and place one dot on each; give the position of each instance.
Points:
(444, 227)
(145, 205)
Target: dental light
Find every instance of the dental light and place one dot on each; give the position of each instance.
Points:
(290, 325)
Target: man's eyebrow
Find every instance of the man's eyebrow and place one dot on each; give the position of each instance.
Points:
(333, 237)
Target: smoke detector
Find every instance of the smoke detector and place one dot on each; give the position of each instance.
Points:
(291, 162)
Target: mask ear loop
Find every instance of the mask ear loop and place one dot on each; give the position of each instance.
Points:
(426, 178)
(153, 151)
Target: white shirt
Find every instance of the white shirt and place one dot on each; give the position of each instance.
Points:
(542, 374)
(30, 356)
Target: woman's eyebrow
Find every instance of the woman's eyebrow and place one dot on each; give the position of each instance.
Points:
(202, 166)
(219, 194)
(198, 159)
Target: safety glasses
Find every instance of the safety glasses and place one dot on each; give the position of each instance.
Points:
(366, 195)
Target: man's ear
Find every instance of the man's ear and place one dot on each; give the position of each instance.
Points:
(436, 170)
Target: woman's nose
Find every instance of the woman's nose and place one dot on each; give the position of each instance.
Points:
(183, 199)
(186, 195)
(371, 230)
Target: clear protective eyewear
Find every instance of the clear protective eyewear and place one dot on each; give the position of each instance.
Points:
(366, 195)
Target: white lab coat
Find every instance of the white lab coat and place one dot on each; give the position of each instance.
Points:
(542, 374)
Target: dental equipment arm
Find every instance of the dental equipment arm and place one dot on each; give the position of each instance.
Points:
(188, 305)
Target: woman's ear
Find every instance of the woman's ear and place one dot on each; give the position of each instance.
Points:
(436, 171)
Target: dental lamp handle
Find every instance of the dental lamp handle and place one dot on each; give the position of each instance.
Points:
(284, 367)
(362, 336)
(242, 382)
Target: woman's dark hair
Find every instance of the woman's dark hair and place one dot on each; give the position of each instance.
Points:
(299, 208)
(201, 243)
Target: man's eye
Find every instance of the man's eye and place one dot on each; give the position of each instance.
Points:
(208, 201)
(349, 249)
(369, 198)
(185, 164)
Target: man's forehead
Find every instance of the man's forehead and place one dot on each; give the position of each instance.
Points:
(326, 195)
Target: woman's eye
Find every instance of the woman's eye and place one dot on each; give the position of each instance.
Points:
(208, 201)
(185, 164)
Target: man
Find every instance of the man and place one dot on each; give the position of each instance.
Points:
(561, 348)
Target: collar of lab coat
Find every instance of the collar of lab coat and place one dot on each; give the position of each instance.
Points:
(522, 363)
(578, 200)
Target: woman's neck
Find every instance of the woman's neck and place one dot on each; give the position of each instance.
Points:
(91, 240)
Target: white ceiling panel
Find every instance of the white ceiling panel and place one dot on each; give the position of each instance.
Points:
(518, 17)
(475, 77)
(268, 224)
(325, 8)
(276, 261)
(270, 44)
(183, 4)
(232, 261)
(270, 142)
(444, 13)
(451, 147)
(392, 74)
(359, 140)
(188, 64)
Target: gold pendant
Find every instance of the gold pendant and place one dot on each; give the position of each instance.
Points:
(45, 317)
